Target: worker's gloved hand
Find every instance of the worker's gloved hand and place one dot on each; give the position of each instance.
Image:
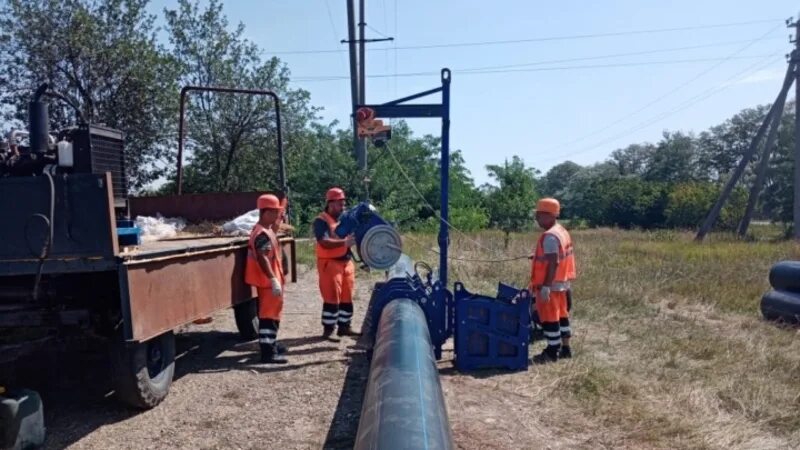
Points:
(350, 241)
(544, 293)
(276, 287)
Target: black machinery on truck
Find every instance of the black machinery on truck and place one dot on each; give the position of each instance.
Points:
(64, 271)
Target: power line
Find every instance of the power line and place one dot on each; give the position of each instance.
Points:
(540, 69)
(617, 55)
(672, 91)
(376, 31)
(685, 105)
(425, 201)
(597, 66)
(396, 34)
(541, 39)
(335, 30)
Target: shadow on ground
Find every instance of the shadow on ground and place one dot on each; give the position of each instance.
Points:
(344, 425)
(77, 393)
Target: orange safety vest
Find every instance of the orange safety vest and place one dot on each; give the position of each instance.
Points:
(566, 258)
(253, 274)
(330, 253)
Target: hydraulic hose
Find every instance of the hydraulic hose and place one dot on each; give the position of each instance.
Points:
(48, 241)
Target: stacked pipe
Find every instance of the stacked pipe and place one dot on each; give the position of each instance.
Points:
(403, 405)
(782, 303)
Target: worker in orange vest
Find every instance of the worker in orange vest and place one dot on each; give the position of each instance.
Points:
(264, 270)
(335, 267)
(552, 271)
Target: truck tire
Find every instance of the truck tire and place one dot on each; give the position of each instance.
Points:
(143, 371)
(785, 276)
(781, 306)
(246, 315)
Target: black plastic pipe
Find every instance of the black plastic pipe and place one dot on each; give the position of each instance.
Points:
(403, 405)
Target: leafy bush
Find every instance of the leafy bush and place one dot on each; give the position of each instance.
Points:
(689, 204)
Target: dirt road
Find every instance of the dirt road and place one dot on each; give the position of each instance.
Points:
(223, 398)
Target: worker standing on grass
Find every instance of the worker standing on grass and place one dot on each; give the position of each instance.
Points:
(552, 271)
(335, 268)
(264, 270)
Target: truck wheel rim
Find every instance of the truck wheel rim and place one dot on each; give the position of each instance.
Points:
(155, 359)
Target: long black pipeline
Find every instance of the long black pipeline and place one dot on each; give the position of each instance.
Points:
(403, 405)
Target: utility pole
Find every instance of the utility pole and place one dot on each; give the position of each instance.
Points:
(795, 59)
(362, 56)
(361, 149)
(763, 164)
(771, 121)
(705, 228)
(358, 78)
(355, 90)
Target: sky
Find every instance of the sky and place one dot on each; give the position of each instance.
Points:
(569, 95)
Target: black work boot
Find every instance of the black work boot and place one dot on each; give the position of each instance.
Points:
(280, 349)
(345, 330)
(327, 333)
(537, 334)
(565, 353)
(547, 356)
(269, 355)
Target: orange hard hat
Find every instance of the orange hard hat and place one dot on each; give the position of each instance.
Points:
(268, 201)
(548, 205)
(334, 194)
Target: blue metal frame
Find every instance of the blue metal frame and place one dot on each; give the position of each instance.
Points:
(511, 307)
(396, 109)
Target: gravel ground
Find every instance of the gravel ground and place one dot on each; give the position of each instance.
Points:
(223, 398)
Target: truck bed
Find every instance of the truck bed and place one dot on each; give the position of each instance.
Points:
(180, 246)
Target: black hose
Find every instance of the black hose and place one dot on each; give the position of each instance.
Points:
(48, 242)
(425, 266)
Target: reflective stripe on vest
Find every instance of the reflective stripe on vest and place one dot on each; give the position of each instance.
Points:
(565, 272)
(253, 274)
(330, 253)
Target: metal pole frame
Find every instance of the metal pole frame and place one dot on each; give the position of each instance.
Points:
(397, 109)
(185, 91)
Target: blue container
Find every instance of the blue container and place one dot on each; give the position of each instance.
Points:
(492, 333)
(129, 236)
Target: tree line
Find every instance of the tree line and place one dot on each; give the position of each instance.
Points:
(121, 69)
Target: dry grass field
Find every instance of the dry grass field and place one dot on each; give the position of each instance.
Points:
(671, 350)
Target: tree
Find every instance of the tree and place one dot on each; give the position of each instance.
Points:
(633, 159)
(632, 202)
(557, 179)
(777, 199)
(103, 54)
(582, 195)
(512, 199)
(232, 137)
(722, 146)
(674, 159)
(689, 204)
